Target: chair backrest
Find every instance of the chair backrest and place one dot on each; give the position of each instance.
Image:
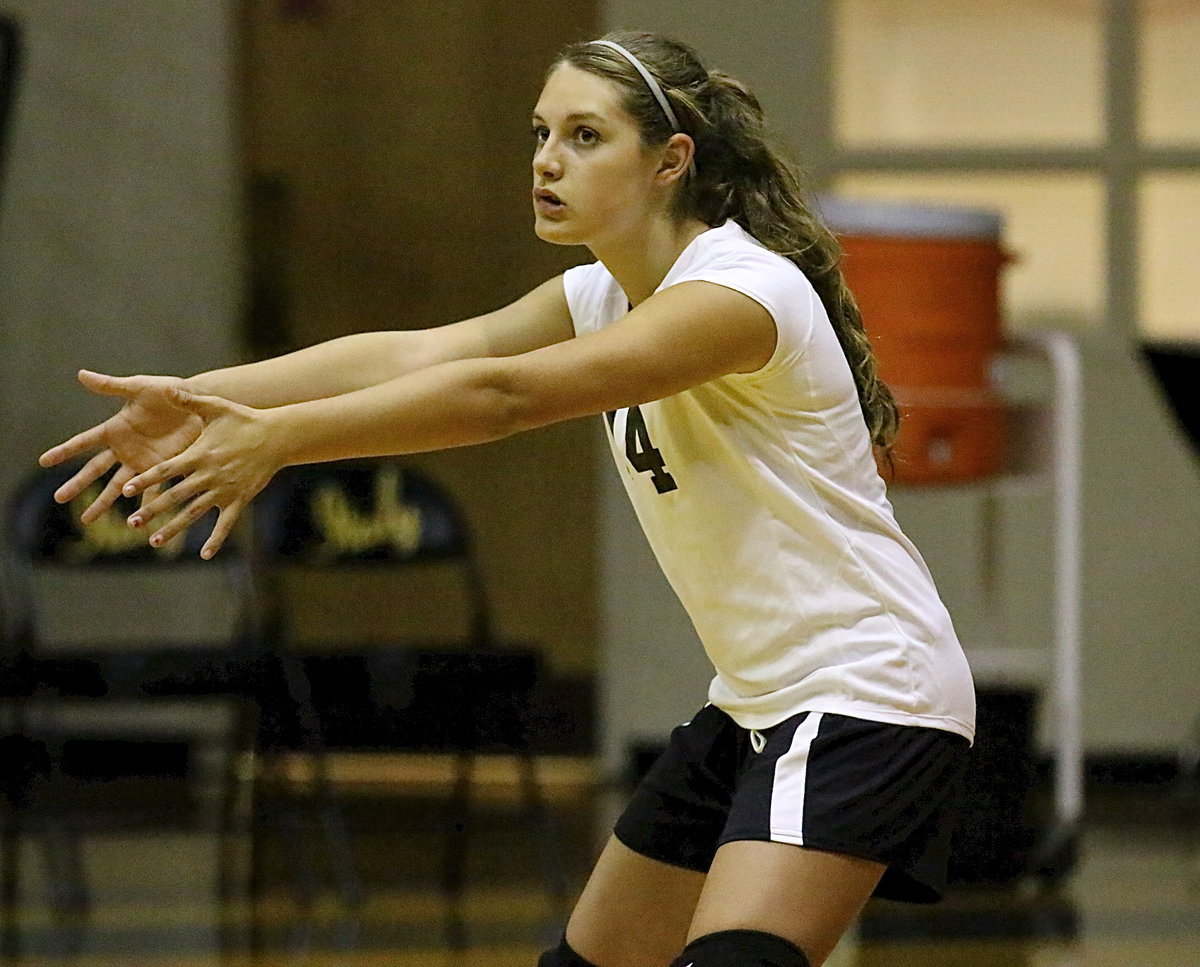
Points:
(43, 531)
(44, 536)
(374, 512)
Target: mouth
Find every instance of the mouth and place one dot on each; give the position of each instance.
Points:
(546, 200)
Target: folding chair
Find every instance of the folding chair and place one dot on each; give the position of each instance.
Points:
(356, 518)
(159, 649)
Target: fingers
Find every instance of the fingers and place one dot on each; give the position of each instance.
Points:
(157, 475)
(193, 497)
(148, 496)
(190, 494)
(222, 529)
(165, 500)
(108, 496)
(107, 385)
(196, 500)
(183, 520)
(91, 439)
(87, 475)
(226, 519)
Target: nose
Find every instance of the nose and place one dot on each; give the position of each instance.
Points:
(546, 162)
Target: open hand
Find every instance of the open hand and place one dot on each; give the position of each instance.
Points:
(150, 427)
(227, 464)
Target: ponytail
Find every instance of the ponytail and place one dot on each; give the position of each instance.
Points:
(743, 177)
(739, 175)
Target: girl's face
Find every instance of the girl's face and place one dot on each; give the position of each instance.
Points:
(592, 179)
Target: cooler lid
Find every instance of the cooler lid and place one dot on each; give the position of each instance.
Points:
(850, 216)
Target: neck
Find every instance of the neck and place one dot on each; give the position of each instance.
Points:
(640, 266)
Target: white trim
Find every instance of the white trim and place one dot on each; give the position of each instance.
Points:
(791, 779)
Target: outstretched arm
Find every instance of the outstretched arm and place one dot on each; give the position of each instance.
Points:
(365, 359)
(151, 425)
(686, 335)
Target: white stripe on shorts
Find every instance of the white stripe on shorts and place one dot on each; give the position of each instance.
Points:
(791, 777)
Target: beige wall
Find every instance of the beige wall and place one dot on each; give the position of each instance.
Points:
(119, 236)
(119, 245)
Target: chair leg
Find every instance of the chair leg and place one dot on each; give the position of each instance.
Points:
(64, 857)
(236, 838)
(299, 847)
(329, 810)
(10, 885)
(540, 820)
(337, 835)
(256, 877)
(454, 857)
(70, 898)
(26, 760)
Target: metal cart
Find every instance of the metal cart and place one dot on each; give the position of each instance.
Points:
(1044, 454)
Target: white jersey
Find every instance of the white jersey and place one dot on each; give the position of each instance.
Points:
(760, 498)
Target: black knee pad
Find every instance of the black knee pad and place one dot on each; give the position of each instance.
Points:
(741, 948)
(562, 956)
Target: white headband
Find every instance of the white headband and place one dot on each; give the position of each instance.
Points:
(651, 83)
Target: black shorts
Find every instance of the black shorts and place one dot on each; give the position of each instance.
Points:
(883, 792)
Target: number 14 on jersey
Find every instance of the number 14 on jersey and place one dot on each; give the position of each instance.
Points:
(641, 453)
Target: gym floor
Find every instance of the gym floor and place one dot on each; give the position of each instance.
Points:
(1132, 897)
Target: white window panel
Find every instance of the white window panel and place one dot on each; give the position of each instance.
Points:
(1169, 281)
(1053, 227)
(1169, 99)
(955, 73)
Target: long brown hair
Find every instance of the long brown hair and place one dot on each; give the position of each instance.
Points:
(739, 174)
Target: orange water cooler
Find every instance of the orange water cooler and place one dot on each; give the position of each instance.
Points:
(927, 280)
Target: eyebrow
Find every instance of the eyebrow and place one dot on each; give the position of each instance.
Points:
(577, 116)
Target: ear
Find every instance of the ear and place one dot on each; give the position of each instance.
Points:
(677, 158)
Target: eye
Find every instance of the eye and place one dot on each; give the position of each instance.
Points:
(540, 133)
(586, 136)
